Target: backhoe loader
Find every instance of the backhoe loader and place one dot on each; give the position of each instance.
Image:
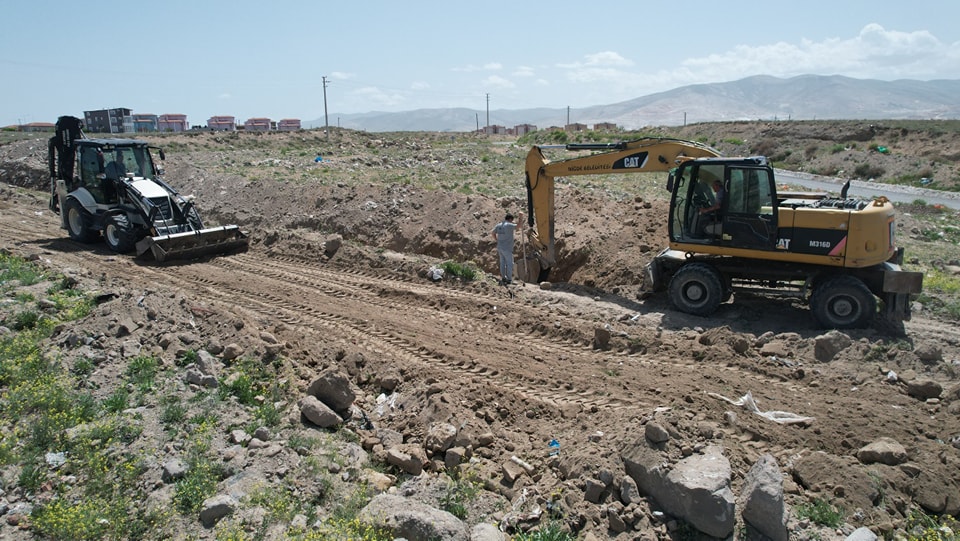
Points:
(113, 186)
(838, 254)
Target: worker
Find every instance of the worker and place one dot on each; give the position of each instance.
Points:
(116, 169)
(710, 216)
(503, 234)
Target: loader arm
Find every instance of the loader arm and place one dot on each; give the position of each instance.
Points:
(639, 156)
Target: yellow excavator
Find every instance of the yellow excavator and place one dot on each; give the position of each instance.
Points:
(729, 229)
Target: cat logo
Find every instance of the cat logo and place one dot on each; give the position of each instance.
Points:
(783, 244)
(631, 161)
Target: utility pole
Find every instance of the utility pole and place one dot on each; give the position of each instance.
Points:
(488, 111)
(326, 119)
(568, 115)
(478, 122)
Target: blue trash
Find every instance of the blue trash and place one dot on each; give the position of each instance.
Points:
(554, 447)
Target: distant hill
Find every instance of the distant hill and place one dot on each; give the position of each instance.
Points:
(805, 97)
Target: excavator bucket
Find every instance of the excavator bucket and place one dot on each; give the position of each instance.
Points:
(214, 240)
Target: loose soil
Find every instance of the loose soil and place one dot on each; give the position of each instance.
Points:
(336, 271)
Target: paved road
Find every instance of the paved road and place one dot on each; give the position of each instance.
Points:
(901, 194)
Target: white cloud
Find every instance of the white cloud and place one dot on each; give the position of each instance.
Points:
(225, 96)
(875, 53)
(497, 82)
(341, 75)
(489, 66)
(419, 85)
(604, 58)
(375, 96)
(523, 71)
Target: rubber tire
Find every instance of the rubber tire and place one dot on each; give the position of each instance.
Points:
(78, 225)
(119, 234)
(696, 288)
(843, 302)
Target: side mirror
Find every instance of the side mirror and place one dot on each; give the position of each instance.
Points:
(162, 155)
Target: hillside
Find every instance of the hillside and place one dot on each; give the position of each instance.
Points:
(806, 97)
(452, 391)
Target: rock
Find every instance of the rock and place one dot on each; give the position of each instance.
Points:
(762, 500)
(333, 389)
(656, 433)
(696, 489)
(885, 451)
(262, 433)
(862, 534)
(454, 457)
(928, 352)
(440, 437)
(239, 436)
(268, 338)
(615, 522)
(601, 338)
(629, 493)
(412, 520)
(924, 389)
(776, 348)
(409, 458)
(318, 413)
(826, 346)
(511, 471)
(819, 469)
(486, 532)
(593, 491)
(216, 508)
(332, 244)
(208, 364)
(380, 482)
(231, 352)
(173, 470)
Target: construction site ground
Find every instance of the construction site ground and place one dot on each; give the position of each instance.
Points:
(337, 268)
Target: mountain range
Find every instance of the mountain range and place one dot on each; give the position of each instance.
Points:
(805, 97)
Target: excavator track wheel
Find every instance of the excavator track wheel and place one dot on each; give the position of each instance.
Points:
(843, 302)
(696, 288)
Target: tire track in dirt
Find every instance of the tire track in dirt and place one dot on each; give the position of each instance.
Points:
(388, 291)
(367, 285)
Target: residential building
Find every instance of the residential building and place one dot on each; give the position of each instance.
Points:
(145, 122)
(222, 123)
(108, 121)
(257, 124)
(37, 127)
(576, 126)
(523, 129)
(495, 130)
(174, 122)
(605, 126)
(288, 124)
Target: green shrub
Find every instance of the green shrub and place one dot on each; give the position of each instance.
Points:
(142, 371)
(552, 531)
(821, 512)
(464, 271)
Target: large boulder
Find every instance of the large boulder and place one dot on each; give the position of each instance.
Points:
(333, 389)
(884, 450)
(412, 520)
(696, 489)
(762, 501)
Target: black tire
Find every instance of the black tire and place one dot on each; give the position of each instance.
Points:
(696, 288)
(843, 302)
(78, 222)
(119, 234)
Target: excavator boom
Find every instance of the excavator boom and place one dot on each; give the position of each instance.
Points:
(652, 154)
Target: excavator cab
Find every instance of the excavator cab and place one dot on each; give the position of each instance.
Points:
(724, 202)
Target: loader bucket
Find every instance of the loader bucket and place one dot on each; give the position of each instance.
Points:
(214, 240)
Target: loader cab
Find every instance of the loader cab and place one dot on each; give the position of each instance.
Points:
(724, 202)
(106, 162)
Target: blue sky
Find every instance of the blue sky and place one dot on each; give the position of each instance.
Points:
(268, 59)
